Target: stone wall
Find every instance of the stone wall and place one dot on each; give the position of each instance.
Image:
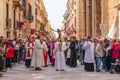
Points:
(1, 19)
(108, 14)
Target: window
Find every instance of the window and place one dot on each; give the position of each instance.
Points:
(35, 11)
(7, 15)
(14, 18)
(7, 11)
(8, 35)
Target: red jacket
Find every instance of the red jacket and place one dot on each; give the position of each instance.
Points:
(115, 53)
(9, 51)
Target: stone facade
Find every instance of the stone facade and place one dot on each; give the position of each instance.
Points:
(21, 18)
(1, 19)
(95, 17)
(108, 14)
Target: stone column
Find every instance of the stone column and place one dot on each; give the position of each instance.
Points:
(81, 18)
(89, 17)
(98, 17)
(78, 31)
(93, 18)
(84, 18)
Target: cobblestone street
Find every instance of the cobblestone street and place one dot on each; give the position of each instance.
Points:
(19, 72)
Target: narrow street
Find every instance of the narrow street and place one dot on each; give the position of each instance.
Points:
(19, 72)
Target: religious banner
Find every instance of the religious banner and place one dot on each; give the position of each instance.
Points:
(32, 31)
(21, 24)
(68, 29)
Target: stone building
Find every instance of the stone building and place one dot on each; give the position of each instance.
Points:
(110, 16)
(89, 15)
(10, 17)
(70, 19)
(95, 18)
(40, 17)
(22, 18)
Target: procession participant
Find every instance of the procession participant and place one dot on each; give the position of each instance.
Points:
(59, 56)
(29, 52)
(89, 55)
(73, 59)
(68, 54)
(53, 52)
(45, 52)
(37, 58)
(48, 42)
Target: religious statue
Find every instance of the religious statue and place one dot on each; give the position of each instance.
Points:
(59, 33)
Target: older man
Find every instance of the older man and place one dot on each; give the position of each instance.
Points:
(37, 59)
(89, 55)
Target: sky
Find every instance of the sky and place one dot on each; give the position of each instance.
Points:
(55, 10)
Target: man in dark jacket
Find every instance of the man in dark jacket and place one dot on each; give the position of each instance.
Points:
(73, 59)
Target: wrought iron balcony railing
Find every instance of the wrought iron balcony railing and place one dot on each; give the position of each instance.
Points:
(8, 23)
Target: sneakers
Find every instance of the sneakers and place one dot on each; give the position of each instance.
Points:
(98, 70)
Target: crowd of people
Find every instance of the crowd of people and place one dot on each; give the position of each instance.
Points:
(38, 52)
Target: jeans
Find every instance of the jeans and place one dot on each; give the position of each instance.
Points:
(104, 62)
(81, 58)
(9, 62)
(81, 53)
(98, 62)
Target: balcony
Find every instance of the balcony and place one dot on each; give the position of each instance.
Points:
(16, 3)
(8, 23)
(16, 26)
(37, 3)
(37, 18)
(19, 3)
(29, 18)
(43, 16)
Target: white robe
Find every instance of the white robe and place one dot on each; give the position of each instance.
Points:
(89, 52)
(60, 57)
(37, 59)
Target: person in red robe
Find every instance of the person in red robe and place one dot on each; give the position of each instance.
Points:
(29, 52)
(45, 52)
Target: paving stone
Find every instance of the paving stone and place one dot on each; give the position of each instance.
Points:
(49, 73)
